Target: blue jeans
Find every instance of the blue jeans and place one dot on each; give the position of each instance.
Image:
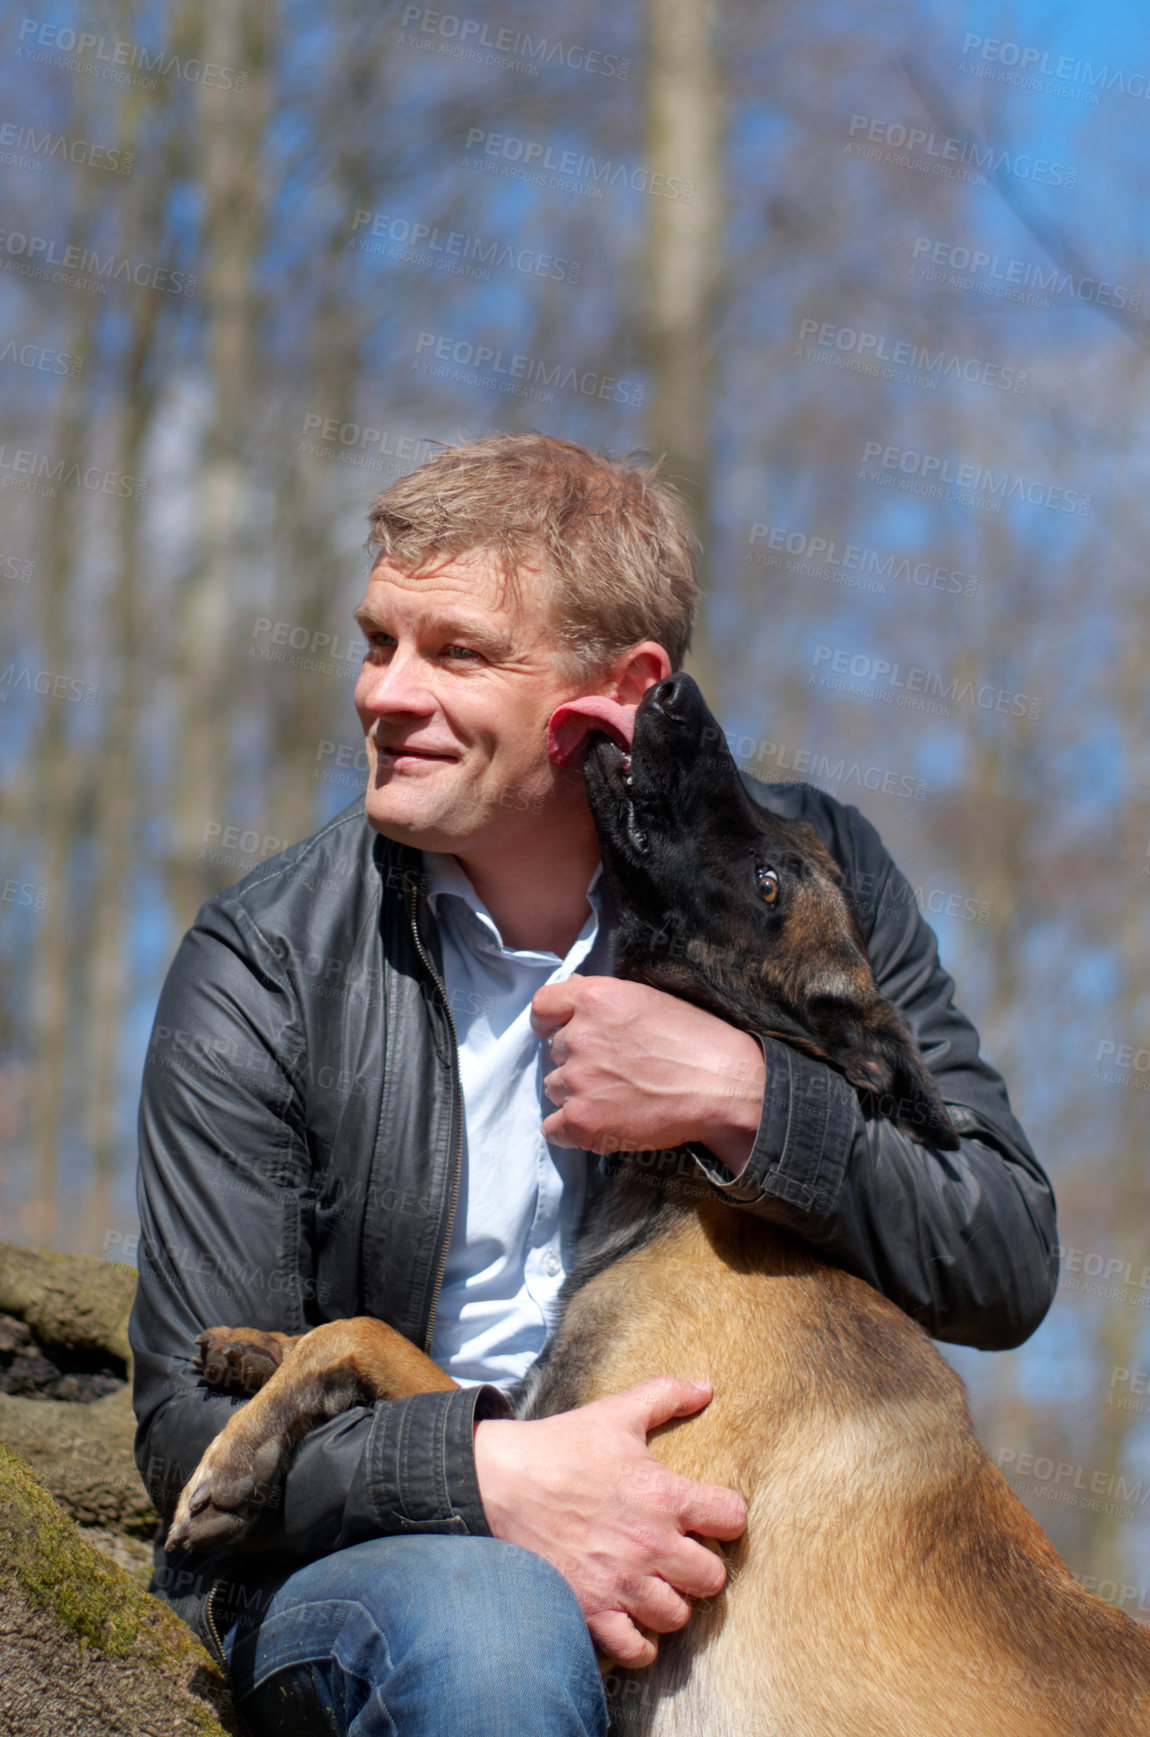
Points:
(423, 1635)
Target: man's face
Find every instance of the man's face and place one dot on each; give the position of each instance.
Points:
(458, 682)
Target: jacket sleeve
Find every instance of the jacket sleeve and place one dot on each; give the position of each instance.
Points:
(226, 1210)
(964, 1241)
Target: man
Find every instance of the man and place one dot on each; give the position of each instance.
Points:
(380, 1069)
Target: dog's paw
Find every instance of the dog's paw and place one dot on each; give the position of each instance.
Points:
(239, 1359)
(225, 1493)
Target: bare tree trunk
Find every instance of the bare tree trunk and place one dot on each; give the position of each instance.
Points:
(1122, 1330)
(302, 712)
(116, 791)
(230, 135)
(684, 112)
(116, 799)
(60, 775)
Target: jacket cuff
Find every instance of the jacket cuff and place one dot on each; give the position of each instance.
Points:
(798, 1161)
(419, 1462)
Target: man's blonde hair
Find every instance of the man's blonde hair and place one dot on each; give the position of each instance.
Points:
(611, 539)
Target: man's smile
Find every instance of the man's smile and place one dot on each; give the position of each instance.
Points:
(398, 755)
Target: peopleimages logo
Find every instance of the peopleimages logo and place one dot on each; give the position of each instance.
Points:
(1077, 1486)
(1064, 69)
(505, 367)
(576, 166)
(327, 435)
(962, 153)
(24, 679)
(920, 689)
(118, 59)
(14, 138)
(21, 466)
(37, 356)
(38, 256)
(932, 474)
(453, 250)
(479, 40)
(916, 359)
(1048, 280)
(851, 564)
(809, 766)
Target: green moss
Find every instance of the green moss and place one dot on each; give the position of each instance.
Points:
(56, 1569)
(53, 1570)
(204, 1719)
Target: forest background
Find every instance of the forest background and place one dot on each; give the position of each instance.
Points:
(874, 278)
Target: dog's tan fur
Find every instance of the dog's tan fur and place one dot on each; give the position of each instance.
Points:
(889, 1583)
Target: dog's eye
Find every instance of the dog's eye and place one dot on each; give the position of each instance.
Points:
(768, 885)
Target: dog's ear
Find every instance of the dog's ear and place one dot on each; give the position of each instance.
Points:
(879, 1059)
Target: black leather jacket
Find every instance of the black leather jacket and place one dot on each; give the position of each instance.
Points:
(300, 1138)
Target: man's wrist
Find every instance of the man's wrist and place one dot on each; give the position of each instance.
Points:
(488, 1477)
(734, 1111)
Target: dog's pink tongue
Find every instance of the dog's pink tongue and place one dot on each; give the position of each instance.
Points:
(573, 722)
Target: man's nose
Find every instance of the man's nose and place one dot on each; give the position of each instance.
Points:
(399, 685)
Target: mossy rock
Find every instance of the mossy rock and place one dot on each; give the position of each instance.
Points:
(75, 1306)
(73, 1300)
(83, 1650)
(84, 1455)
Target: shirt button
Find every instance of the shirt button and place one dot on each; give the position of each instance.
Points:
(551, 1264)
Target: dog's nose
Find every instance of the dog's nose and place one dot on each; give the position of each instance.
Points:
(672, 697)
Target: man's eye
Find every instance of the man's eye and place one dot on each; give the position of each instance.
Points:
(379, 641)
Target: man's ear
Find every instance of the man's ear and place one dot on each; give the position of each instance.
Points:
(876, 1055)
(638, 669)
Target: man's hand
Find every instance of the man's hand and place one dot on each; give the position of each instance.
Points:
(582, 1490)
(638, 1071)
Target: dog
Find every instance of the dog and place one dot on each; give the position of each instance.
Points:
(889, 1583)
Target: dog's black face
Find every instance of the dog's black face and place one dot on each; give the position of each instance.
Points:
(723, 903)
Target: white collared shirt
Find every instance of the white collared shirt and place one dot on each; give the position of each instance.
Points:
(520, 1198)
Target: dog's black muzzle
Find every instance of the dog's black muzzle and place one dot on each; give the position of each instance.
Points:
(678, 779)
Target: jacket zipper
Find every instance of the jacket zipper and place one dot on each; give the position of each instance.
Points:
(458, 1094)
(210, 1624)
